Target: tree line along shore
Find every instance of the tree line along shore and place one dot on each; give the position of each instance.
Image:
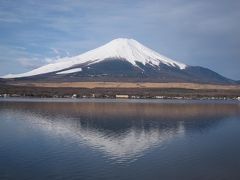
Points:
(134, 91)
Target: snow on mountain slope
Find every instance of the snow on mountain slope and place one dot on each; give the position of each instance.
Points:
(126, 49)
(70, 71)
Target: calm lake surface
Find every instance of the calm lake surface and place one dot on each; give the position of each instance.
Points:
(119, 139)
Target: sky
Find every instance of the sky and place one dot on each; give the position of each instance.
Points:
(200, 33)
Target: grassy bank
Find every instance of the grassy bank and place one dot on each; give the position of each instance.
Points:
(113, 89)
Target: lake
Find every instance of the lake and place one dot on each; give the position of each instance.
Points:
(119, 139)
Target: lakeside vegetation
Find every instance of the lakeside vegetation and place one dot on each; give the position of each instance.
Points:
(121, 90)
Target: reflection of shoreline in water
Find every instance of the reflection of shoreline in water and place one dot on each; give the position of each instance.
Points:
(122, 131)
(169, 111)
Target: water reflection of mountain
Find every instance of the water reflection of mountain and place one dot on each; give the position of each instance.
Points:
(121, 130)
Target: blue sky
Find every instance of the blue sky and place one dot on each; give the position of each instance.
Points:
(36, 32)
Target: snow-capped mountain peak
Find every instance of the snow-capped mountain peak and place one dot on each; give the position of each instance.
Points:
(126, 49)
(130, 50)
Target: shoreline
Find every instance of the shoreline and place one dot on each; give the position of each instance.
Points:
(109, 100)
(115, 91)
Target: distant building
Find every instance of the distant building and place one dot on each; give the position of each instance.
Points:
(159, 97)
(238, 98)
(135, 97)
(123, 96)
(74, 96)
(15, 95)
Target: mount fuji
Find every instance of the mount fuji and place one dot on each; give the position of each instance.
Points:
(124, 60)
